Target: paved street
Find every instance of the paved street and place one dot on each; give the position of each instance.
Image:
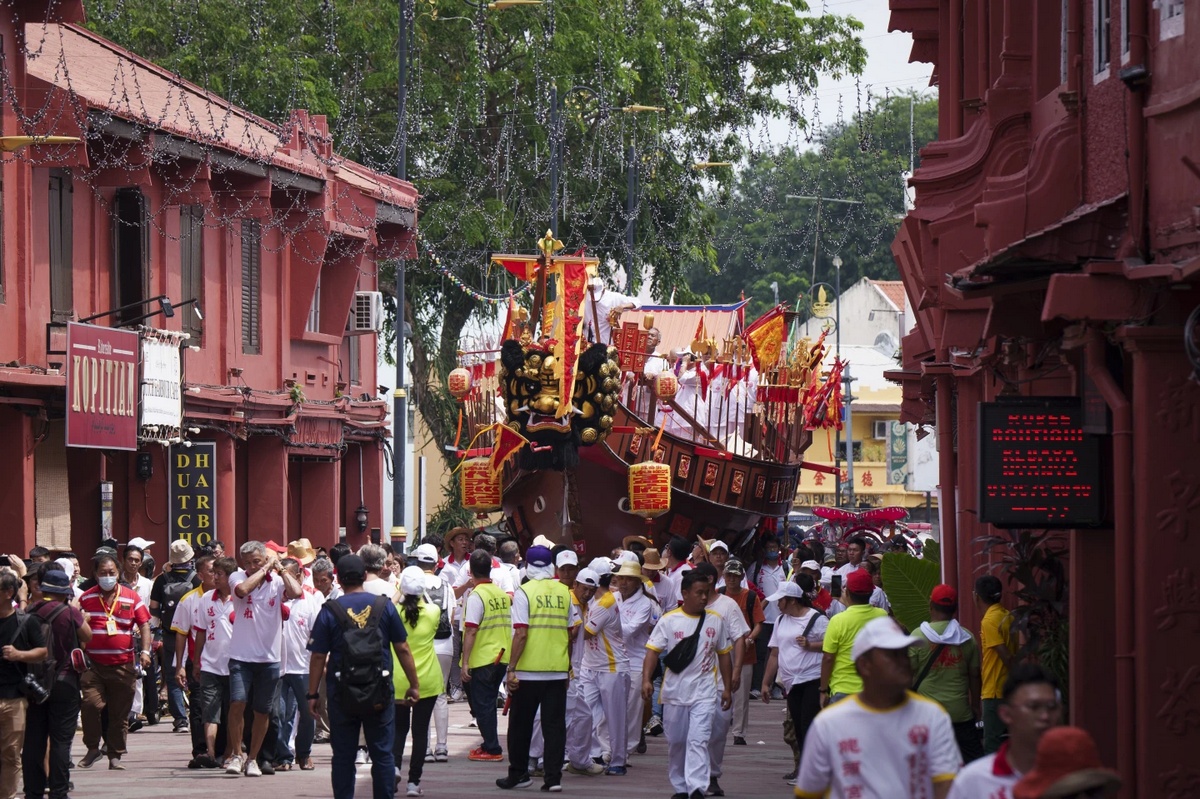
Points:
(157, 758)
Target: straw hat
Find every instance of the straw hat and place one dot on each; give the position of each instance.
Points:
(651, 560)
(636, 539)
(1067, 763)
(301, 550)
(629, 570)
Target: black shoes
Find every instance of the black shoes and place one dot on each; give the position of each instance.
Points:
(714, 787)
(510, 782)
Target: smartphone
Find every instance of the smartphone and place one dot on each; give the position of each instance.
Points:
(835, 585)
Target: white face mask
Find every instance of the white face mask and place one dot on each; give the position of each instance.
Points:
(106, 583)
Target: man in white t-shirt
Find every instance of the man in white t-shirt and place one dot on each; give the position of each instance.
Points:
(885, 741)
(581, 732)
(691, 695)
(599, 304)
(256, 647)
(297, 627)
(768, 574)
(856, 547)
(375, 559)
(455, 566)
(1030, 706)
(186, 675)
(736, 629)
(639, 614)
(213, 627)
(605, 672)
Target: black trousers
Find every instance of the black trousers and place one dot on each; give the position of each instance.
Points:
(551, 697)
(804, 703)
(51, 723)
(970, 744)
(763, 652)
(418, 717)
(195, 722)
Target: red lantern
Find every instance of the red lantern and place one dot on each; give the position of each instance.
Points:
(666, 384)
(458, 382)
(481, 490)
(649, 489)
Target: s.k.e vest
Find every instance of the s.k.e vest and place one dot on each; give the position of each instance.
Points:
(493, 637)
(547, 649)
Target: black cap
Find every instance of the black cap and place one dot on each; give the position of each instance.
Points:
(55, 581)
(351, 570)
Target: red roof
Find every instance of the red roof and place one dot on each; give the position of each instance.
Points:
(107, 77)
(893, 290)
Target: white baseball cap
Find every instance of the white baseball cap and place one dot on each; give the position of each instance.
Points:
(600, 566)
(628, 556)
(426, 553)
(140, 543)
(717, 544)
(881, 633)
(788, 589)
(566, 558)
(811, 564)
(588, 577)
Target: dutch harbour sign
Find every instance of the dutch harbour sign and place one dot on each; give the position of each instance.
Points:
(193, 492)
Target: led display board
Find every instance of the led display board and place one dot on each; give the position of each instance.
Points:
(1037, 466)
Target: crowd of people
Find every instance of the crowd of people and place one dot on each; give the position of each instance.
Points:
(284, 647)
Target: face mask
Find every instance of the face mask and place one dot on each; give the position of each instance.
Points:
(772, 556)
(106, 583)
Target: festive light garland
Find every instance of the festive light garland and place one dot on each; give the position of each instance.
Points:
(457, 282)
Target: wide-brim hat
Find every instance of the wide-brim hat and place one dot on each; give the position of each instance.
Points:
(636, 539)
(181, 552)
(456, 532)
(629, 569)
(1068, 762)
(652, 560)
(301, 550)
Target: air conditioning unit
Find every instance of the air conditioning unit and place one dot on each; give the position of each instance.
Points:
(367, 314)
(881, 429)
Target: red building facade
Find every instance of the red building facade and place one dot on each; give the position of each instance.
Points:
(173, 191)
(1054, 250)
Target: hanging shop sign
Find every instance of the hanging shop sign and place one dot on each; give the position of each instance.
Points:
(897, 453)
(193, 492)
(162, 385)
(1037, 467)
(102, 387)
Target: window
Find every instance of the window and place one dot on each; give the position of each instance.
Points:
(251, 286)
(131, 251)
(1102, 26)
(191, 267)
(62, 294)
(1124, 31)
(1171, 18)
(354, 357)
(313, 325)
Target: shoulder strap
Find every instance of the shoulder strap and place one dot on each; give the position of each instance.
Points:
(55, 613)
(378, 609)
(812, 620)
(937, 652)
(750, 606)
(339, 613)
(700, 626)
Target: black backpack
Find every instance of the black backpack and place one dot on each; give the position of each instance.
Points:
(362, 686)
(171, 594)
(45, 672)
(438, 597)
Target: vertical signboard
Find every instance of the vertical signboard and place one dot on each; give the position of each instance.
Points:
(161, 388)
(897, 453)
(102, 387)
(193, 492)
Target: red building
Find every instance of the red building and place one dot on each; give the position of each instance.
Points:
(173, 191)
(1054, 250)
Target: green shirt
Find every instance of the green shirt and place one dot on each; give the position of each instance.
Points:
(949, 679)
(839, 640)
(420, 642)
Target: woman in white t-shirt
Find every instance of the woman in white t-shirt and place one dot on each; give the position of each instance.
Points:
(796, 644)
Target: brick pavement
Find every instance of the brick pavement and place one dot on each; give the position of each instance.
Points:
(156, 767)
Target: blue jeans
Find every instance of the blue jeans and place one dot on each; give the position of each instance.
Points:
(655, 704)
(343, 738)
(482, 691)
(293, 688)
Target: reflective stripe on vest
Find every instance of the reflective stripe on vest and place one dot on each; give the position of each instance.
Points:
(494, 633)
(546, 648)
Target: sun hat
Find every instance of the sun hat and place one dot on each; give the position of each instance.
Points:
(881, 633)
(56, 582)
(1067, 763)
(636, 539)
(629, 570)
(652, 560)
(181, 552)
(301, 550)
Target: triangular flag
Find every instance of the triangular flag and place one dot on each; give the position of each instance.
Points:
(508, 442)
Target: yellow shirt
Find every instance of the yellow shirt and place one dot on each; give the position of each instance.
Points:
(839, 641)
(995, 630)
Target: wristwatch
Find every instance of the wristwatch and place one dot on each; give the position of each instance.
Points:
(822, 690)
(312, 697)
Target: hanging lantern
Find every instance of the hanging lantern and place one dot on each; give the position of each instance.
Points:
(458, 382)
(666, 384)
(649, 489)
(481, 491)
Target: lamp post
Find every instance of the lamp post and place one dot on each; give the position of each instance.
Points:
(848, 381)
(817, 233)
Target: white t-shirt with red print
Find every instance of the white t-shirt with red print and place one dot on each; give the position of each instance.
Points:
(257, 620)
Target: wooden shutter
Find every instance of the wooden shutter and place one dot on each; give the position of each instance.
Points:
(191, 260)
(62, 295)
(251, 286)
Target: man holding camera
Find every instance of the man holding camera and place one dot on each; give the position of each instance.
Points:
(21, 642)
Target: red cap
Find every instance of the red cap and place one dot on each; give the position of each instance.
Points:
(944, 595)
(274, 547)
(860, 582)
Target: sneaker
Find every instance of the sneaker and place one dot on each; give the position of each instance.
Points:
(114, 764)
(510, 782)
(414, 790)
(641, 747)
(136, 724)
(714, 788)
(180, 725)
(552, 787)
(207, 762)
(615, 771)
(441, 755)
(321, 739)
(655, 726)
(234, 766)
(194, 763)
(755, 694)
(91, 757)
(363, 757)
(267, 768)
(252, 769)
(481, 756)
(592, 770)
(739, 740)
(455, 696)
(429, 757)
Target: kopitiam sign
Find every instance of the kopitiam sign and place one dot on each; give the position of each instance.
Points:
(102, 387)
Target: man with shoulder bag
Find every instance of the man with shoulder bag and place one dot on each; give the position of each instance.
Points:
(52, 722)
(22, 642)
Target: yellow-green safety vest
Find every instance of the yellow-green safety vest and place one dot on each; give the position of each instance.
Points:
(494, 634)
(547, 647)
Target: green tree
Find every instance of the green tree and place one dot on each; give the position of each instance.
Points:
(479, 108)
(762, 237)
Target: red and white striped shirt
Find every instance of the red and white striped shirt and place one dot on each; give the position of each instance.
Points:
(126, 610)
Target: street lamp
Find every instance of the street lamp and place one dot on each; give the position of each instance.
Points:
(710, 164)
(817, 234)
(847, 398)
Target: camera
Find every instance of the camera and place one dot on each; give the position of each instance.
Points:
(34, 691)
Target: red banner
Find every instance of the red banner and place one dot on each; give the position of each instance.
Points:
(102, 387)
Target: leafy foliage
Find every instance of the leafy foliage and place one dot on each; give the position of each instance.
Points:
(931, 551)
(909, 582)
(1035, 563)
